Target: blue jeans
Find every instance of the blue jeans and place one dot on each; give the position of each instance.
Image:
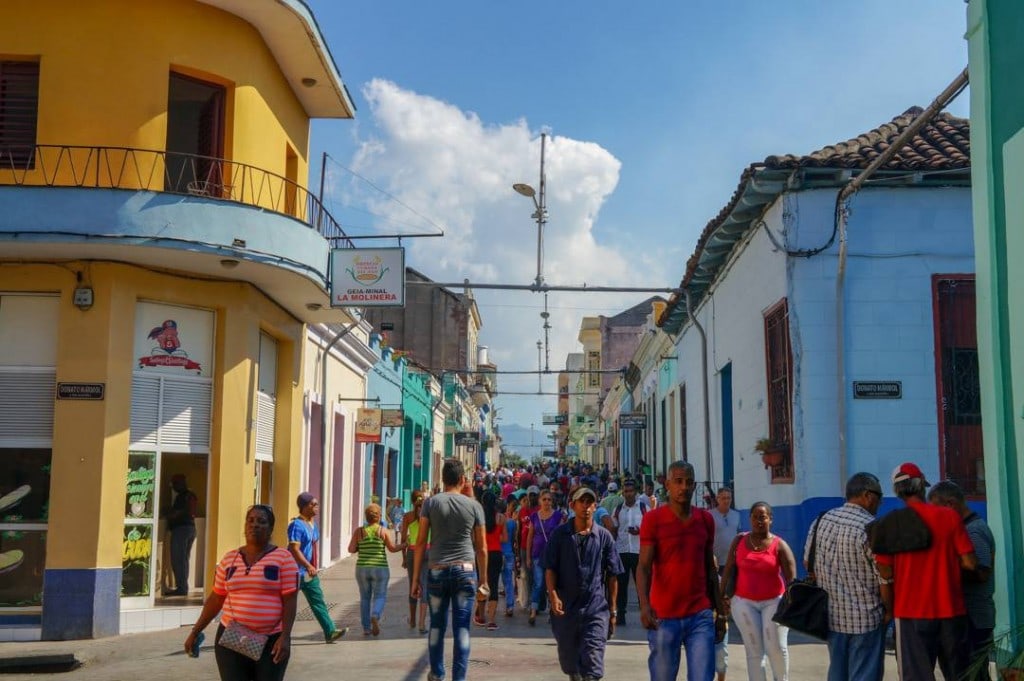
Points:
(856, 657)
(697, 633)
(373, 592)
(538, 585)
(509, 580)
(451, 586)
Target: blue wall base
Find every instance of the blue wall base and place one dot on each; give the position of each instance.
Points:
(81, 603)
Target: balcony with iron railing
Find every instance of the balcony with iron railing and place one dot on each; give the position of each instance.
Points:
(95, 202)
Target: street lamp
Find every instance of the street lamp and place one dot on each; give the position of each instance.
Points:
(540, 213)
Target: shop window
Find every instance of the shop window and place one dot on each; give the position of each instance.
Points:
(19, 113)
(779, 364)
(24, 514)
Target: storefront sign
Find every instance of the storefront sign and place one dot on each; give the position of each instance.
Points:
(368, 425)
(633, 421)
(467, 438)
(140, 485)
(136, 560)
(417, 451)
(170, 339)
(80, 391)
(877, 390)
(368, 277)
(392, 418)
(593, 440)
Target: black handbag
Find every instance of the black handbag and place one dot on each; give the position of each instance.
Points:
(804, 606)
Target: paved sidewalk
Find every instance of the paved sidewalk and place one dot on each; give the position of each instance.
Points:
(398, 654)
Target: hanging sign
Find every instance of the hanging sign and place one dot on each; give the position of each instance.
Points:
(633, 421)
(467, 438)
(368, 425)
(417, 451)
(368, 277)
(392, 418)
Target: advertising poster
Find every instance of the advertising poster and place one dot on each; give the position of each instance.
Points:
(392, 418)
(173, 340)
(136, 560)
(368, 277)
(368, 425)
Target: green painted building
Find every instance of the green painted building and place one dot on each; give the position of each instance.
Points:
(994, 30)
(418, 402)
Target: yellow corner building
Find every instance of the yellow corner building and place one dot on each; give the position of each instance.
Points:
(160, 258)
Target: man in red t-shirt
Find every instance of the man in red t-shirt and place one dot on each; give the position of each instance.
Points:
(931, 620)
(677, 582)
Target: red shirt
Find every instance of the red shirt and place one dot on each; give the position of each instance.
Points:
(679, 585)
(494, 537)
(927, 582)
(758, 573)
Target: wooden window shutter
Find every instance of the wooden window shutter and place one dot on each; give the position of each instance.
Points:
(19, 113)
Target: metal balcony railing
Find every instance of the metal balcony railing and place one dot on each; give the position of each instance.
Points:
(46, 165)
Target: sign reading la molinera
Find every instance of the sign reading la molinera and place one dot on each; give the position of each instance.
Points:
(368, 277)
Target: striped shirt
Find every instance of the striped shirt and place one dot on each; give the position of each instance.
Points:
(844, 567)
(254, 593)
(371, 547)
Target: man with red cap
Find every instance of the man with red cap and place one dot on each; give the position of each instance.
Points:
(931, 618)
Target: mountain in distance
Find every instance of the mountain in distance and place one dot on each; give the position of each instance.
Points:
(524, 442)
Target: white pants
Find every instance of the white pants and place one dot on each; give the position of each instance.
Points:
(760, 636)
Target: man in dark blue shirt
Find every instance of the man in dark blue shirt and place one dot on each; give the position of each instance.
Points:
(582, 565)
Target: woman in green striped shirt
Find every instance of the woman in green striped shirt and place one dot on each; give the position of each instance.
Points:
(372, 573)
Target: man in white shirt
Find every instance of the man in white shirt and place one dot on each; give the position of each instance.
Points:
(626, 522)
(727, 526)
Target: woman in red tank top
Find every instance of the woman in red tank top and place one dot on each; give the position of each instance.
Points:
(760, 565)
(496, 533)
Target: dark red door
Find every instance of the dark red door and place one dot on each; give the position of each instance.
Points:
(956, 353)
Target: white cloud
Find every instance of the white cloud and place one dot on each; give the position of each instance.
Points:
(448, 164)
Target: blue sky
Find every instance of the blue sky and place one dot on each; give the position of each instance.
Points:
(655, 109)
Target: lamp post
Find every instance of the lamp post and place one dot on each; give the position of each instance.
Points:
(540, 213)
(540, 346)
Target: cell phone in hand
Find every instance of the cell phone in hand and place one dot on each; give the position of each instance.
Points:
(200, 637)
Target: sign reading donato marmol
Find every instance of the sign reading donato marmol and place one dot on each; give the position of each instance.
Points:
(368, 277)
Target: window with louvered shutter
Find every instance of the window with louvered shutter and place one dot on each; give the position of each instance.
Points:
(19, 113)
(266, 400)
(171, 413)
(26, 406)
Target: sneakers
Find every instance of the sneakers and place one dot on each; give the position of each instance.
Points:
(336, 634)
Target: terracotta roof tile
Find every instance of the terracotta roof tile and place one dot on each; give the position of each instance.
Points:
(944, 143)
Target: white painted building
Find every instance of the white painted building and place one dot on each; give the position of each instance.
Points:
(844, 363)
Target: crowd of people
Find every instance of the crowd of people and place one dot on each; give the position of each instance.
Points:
(565, 540)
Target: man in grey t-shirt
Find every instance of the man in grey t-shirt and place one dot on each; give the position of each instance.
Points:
(455, 525)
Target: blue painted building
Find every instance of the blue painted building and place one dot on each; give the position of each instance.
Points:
(384, 391)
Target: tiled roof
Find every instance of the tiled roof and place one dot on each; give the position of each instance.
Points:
(636, 315)
(943, 143)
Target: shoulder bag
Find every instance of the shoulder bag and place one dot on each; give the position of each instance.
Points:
(804, 606)
(240, 638)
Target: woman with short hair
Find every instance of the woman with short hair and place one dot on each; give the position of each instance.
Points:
(372, 573)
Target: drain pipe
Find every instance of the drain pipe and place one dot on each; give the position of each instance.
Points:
(323, 425)
(841, 218)
(704, 382)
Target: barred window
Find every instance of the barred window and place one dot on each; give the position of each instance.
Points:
(779, 364)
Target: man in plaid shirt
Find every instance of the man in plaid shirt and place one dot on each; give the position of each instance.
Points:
(859, 600)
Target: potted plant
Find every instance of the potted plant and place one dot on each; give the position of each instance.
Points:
(772, 454)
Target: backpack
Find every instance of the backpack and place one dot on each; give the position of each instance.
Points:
(643, 510)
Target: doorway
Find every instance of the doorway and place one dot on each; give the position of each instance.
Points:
(195, 137)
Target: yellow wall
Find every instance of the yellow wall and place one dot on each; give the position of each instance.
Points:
(90, 439)
(104, 67)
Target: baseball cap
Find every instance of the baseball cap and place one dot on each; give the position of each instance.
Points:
(908, 471)
(583, 491)
(613, 487)
(533, 489)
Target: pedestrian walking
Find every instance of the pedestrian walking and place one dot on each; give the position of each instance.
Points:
(542, 524)
(626, 521)
(530, 505)
(979, 586)
(580, 563)
(254, 587)
(677, 583)
(455, 523)
(759, 567)
(494, 535)
(409, 536)
(727, 526)
(304, 545)
(181, 525)
(372, 572)
(859, 604)
(508, 554)
(928, 600)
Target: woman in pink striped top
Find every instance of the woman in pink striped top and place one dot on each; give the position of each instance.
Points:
(255, 584)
